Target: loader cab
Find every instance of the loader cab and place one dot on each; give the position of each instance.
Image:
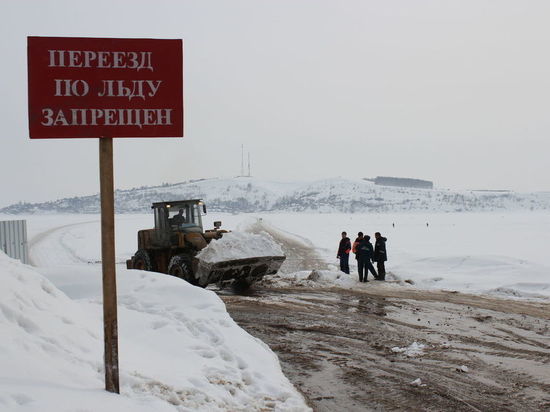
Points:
(179, 216)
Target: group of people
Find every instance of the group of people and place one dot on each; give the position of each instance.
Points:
(365, 254)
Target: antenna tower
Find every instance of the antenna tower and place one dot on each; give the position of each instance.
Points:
(242, 160)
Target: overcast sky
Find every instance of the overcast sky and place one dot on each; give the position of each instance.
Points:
(453, 91)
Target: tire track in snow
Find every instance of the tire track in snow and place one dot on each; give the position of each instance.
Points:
(47, 248)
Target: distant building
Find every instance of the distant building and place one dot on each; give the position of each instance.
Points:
(402, 182)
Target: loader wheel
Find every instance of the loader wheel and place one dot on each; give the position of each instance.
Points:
(142, 260)
(180, 267)
(241, 286)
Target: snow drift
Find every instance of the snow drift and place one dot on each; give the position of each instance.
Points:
(179, 349)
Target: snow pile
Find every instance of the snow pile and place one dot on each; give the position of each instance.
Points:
(463, 368)
(312, 279)
(417, 382)
(47, 341)
(329, 279)
(240, 245)
(179, 348)
(411, 351)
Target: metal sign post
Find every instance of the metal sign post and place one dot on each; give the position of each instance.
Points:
(90, 87)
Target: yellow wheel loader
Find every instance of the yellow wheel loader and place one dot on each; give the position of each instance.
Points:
(171, 247)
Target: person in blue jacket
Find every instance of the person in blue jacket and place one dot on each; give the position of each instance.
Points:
(364, 253)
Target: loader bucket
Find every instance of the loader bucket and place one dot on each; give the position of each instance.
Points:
(248, 270)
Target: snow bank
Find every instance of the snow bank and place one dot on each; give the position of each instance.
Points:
(312, 279)
(479, 274)
(51, 347)
(240, 245)
(329, 279)
(179, 348)
(258, 225)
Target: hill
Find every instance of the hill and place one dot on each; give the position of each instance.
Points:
(245, 194)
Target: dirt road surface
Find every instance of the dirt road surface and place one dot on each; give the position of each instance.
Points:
(386, 347)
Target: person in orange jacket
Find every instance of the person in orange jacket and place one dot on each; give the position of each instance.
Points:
(343, 253)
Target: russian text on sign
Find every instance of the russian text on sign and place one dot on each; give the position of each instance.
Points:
(105, 87)
(101, 59)
(138, 88)
(107, 117)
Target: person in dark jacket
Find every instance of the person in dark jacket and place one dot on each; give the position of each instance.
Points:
(178, 219)
(343, 253)
(380, 255)
(355, 243)
(364, 253)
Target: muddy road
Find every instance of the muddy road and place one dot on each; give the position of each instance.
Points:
(386, 347)
(336, 347)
